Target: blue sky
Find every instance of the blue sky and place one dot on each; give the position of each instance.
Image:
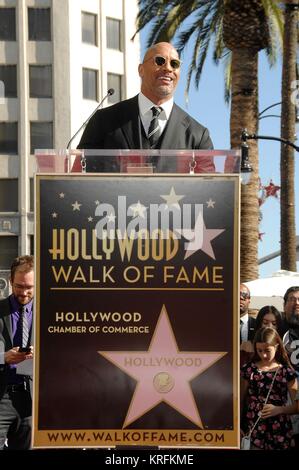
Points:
(206, 104)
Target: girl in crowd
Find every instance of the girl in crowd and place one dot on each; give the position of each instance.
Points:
(265, 383)
(269, 316)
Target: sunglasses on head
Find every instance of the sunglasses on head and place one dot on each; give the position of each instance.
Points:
(244, 295)
(159, 60)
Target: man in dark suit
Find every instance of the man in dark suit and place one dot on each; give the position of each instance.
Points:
(15, 334)
(291, 341)
(247, 322)
(247, 326)
(129, 124)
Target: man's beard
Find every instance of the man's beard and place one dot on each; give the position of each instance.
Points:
(293, 320)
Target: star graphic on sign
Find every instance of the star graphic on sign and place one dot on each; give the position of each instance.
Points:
(54, 215)
(76, 206)
(172, 199)
(199, 238)
(211, 203)
(61, 195)
(163, 373)
(90, 219)
(138, 210)
(97, 202)
(111, 217)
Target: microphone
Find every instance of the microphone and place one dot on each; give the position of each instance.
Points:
(110, 92)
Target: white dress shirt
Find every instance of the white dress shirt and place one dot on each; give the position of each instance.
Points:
(244, 328)
(146, 113)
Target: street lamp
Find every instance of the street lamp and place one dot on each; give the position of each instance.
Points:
(246, 167)
(245, 136)
(260, 116)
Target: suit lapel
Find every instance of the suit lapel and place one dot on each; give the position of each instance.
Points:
(131, 127)
(171, 135)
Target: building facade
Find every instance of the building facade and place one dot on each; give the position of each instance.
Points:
(58, 58)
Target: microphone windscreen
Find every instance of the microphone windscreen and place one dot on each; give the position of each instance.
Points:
(111, 91)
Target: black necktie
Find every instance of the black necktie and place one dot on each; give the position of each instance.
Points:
(154, 130)
(241, 326)
(25, 328)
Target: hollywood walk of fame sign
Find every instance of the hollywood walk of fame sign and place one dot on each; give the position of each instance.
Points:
(136, 304)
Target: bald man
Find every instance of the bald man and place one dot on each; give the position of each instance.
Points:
(129, 124)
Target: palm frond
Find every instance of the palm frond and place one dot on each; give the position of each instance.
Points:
(276, 26)
(194, 23)
(227, 76)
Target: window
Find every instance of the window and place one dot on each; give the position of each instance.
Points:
(7, 24)
(39, 24)
(89, 28)
(40, 81)
(8, 251)
(8, 75)
(113, 31)
(90, 84)
(8, 195)
(9, 138)
(41, 136)
(115, 82)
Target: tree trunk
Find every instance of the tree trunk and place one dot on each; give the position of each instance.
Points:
(244, 110)
(288, 116)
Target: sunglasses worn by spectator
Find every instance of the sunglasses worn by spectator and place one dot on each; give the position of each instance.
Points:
(244, 295)
(159, 60)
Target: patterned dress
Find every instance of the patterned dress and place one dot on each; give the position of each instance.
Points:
(273, 433)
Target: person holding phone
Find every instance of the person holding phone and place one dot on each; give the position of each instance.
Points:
(16, 317)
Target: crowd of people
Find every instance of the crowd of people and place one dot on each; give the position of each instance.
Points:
(269, 359)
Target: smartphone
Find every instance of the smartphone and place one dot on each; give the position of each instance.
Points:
(25, 350)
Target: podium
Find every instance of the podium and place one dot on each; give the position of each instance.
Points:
(138, 161)
(137, 320)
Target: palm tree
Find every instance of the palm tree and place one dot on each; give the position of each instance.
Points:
(245, 32)
(242, 27)
(288, 117)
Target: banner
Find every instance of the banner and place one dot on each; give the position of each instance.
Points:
(136, 311)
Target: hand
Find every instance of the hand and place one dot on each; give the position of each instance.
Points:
(13, 356)
(269, 411)
(30, 354)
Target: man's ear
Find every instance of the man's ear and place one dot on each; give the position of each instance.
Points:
(140, 70)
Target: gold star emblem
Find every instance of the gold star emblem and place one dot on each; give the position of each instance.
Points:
(163, 373)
